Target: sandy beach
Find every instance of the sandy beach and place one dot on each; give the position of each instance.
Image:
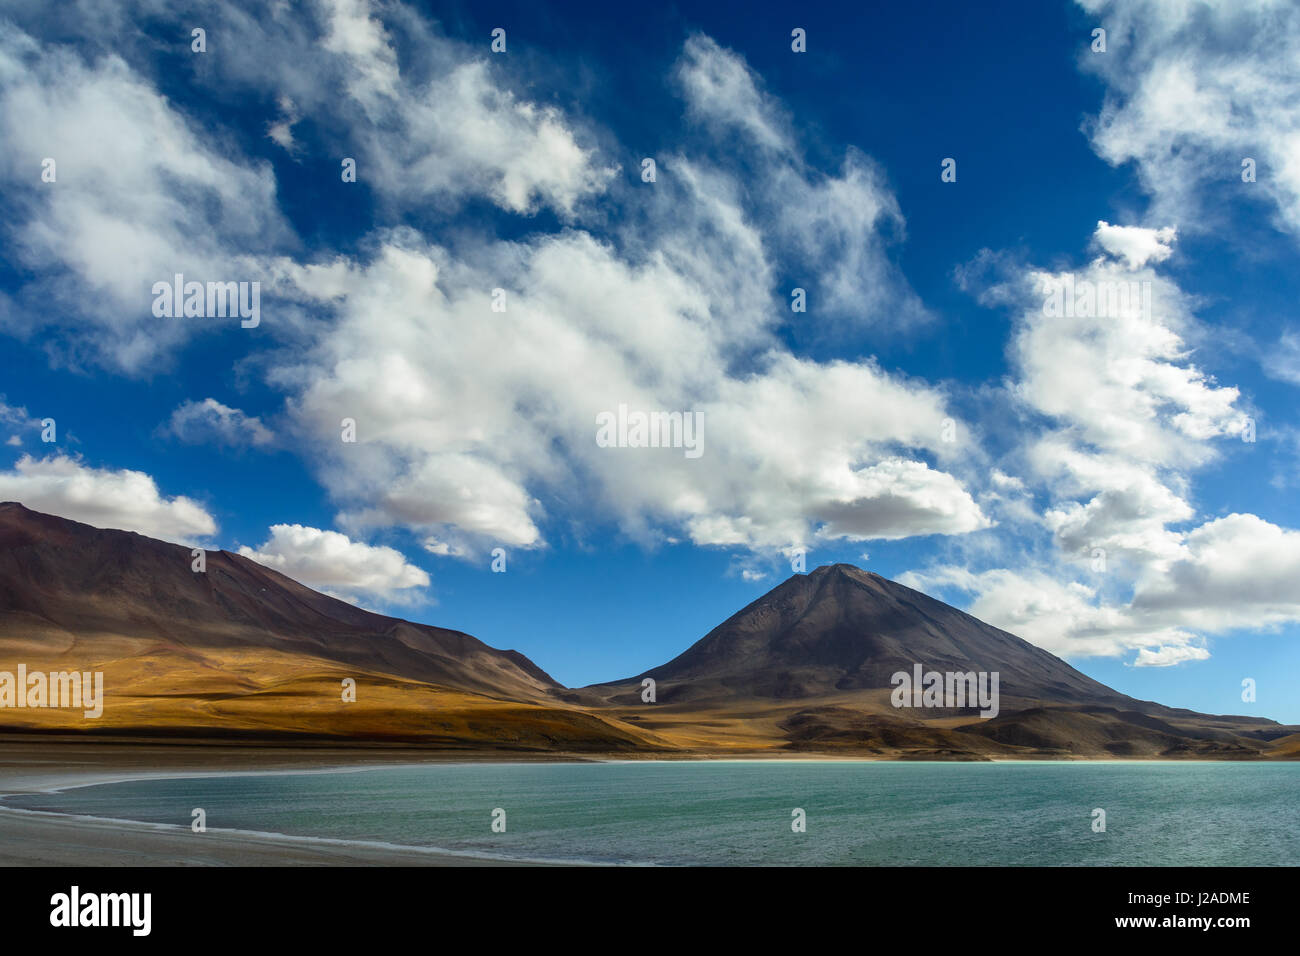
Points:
(52, 839)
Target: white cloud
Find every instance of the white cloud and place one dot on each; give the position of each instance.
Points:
(463, 442)
(332, 562)
(1136, 245)
(19, 418)
(1116, 420)
(1192, 90)
(1234, 572)
(12, 414)
(1004, 482)
(1068, 618)
(1120, 378)
(442, 548)
(677, 314)
(280, 131)
(468, 420)
(140, 195)
(209, 421)
(720, 89)
(1231, 574)
(1282, 359)
(123, 499)
(833, 230)
(442, 128)
(1129, 414)
(1126, 507)
(1168, 656)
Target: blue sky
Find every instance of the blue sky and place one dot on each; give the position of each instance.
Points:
(1084, 481)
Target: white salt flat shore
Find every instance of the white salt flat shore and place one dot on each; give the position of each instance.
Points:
(54, 839)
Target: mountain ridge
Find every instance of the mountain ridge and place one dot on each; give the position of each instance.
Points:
(286, 612)
(865, 641)
(242, 650)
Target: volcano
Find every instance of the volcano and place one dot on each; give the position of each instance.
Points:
(240, 651)
(841, 629)
(812, 666)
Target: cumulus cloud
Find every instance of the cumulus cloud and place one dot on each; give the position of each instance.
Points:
(1117, 419)
(442, 128)
(466, 442)
(211, 422)
(122, 499)
(1115, 369)
(1193, 89)
(1136, 245)
(489, 434)
(473, 429)
(1127, 414)
(139, 196)
(1233, 572)
(1168, 656)
(1066, 617)
(332, 562)
(143, 192)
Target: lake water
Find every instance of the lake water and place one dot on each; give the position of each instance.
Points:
(740, 812)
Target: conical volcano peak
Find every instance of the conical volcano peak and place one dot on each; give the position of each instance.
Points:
(824, 576)
(839, 566)
(238, 648)
(840, 629)
(845, 570)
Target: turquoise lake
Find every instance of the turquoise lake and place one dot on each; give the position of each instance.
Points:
(740, 812)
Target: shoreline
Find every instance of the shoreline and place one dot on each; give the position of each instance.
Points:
(29, 766)
(51, 838)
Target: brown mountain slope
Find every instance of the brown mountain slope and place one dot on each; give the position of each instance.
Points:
(242, 649)
(808, 666)
(68, 580)
(840, 629)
